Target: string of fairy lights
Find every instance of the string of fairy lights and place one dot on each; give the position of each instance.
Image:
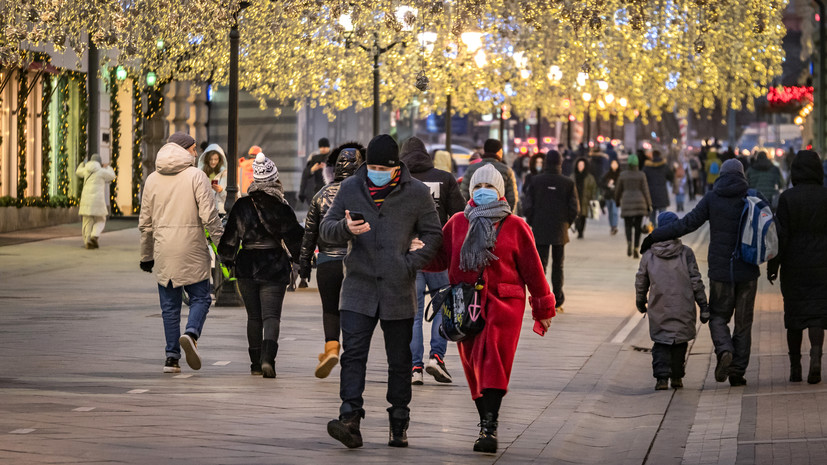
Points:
(621, 59)
(115, 141)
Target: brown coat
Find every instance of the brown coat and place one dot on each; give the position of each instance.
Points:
(176, 205)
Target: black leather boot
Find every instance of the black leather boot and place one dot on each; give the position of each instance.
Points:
(269, 349)
(255, 361)
(399, 421)
(487, 442)
(814, 377)
(346, 429)
(795, 368)
(629, 248)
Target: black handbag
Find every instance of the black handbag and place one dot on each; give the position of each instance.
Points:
(460, 306)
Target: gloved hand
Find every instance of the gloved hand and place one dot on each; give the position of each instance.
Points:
(304, 270)
(147, 266)
(704, 314)
(647, 244)
(771, 277)
(641, 305)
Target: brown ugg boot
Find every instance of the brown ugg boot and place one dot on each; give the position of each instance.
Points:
(328, 359)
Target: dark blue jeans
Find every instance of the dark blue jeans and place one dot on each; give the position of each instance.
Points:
(433, 281)
(725, 301)
(171, 299)
(357, 330)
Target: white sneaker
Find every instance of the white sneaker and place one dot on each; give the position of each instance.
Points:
(416, 377)
(190, 348)
(436, 368)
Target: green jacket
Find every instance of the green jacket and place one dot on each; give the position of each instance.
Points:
(766, 178)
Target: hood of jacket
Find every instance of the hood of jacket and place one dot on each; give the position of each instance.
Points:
(202, 160)
(532, 164)
(667, 249)
(586, 167)
(414, 154)
(731, 185)
(172, 159)
(347, 162)
(92, 166)
(806, 168)
(762, 163)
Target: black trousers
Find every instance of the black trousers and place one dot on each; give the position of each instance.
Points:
(263, 301)
(329, 276)
(633, 223)
(580, 225)
(357, 330)
(557, 258)
(725, 301)
(667, 360)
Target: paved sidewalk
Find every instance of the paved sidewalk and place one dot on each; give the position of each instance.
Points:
(81, 352)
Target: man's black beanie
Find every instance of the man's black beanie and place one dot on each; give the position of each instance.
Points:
(383, 150)
(492, 146)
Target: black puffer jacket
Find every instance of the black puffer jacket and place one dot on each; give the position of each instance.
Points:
(550, 205)
(245, 227)
(346, 164)
(444, 188)
(657, 174)
(802, 234)
(722, 207)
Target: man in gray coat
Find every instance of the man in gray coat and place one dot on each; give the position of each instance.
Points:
(379, 211)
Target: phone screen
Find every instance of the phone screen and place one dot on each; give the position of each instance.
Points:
(356, 216)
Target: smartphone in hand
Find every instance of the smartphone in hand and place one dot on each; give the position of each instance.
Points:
(356, 216)
(538, 328)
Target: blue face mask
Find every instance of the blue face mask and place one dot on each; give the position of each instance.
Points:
(380, 178)
(485, 195)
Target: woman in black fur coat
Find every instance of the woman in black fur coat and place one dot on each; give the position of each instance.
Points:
(260, 240)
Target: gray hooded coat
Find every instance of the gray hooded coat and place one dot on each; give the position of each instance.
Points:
(669, 274)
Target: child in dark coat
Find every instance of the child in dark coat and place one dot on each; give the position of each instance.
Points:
(669, 274)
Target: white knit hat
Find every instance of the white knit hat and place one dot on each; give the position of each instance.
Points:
(487, 174)
(264, 169)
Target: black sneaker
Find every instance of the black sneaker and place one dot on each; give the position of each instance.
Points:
(662, 384)
(722, 370)
(171, 366)
(677, 383)
(436, 368)
(737, 380)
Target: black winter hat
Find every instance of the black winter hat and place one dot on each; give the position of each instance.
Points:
(553, 158)
(323, 142)
(383, 150)
(492, 146)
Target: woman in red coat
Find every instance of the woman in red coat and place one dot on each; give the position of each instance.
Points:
(511, 263)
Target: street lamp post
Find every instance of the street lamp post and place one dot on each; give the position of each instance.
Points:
(227, 295)
(821, 91)
(587, 97)
(93, 110)
(448, 123)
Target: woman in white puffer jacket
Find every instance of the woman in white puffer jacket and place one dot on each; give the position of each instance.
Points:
(93, 201)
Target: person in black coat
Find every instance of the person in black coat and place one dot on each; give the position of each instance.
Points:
(551, 205)
(657, 175)
(263, 224)
(313, 173)
(802, 233)
(329, 265)
(732, 282)
(447, 200)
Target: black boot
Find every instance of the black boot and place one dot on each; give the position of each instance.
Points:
(814, 377)
(487, 442)
(255, 361)
(399, 421)
(795, 368)
(629, 248)
(346, 429)
(636, 254)
(269, 349)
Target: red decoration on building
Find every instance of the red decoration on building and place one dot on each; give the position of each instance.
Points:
(785, 96)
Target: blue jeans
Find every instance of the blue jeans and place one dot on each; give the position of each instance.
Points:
(434, 281)
(611, 206)
(171, 299)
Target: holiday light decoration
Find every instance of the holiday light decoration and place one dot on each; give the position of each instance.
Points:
(137, 139)
(784, 96)
(22, 131)
(45, 138)
(115, 141)
(657, 56)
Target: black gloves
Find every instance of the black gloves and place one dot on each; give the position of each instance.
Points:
(641, 304)
(304, 270)
(772, 276)
(647, 244)
(704, 314)
(147, 266)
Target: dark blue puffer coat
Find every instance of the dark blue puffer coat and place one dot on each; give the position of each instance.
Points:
(722, 207)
